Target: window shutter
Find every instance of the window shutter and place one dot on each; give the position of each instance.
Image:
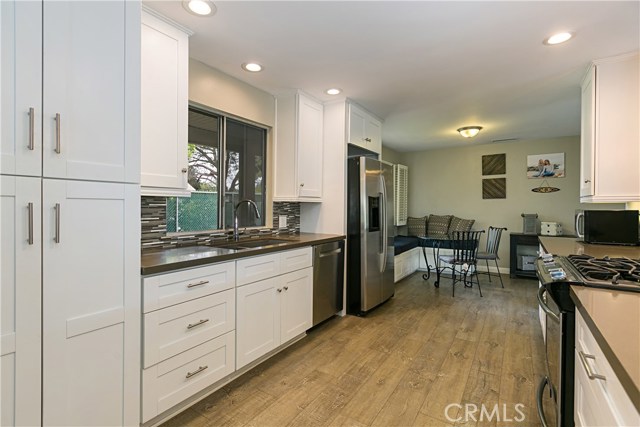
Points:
(400, 183)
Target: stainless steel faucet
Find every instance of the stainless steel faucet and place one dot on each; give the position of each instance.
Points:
(236, 235)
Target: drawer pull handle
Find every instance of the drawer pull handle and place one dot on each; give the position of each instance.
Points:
(58, 148)
(587, 367)
(30, 225)
(193, 325)
(32, 118)
(286, 288)
(196, 372)
(200, 283)
(279, 289)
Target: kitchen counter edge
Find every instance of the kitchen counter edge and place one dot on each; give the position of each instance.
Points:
(172, 259)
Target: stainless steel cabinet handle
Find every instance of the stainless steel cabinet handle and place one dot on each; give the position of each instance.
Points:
(279, 290)
(30, 236)
(32, 130)
(184, 170)
(286, 288)
(56, 237)
(197, 371)
(368, 139)
(200, 283)
(58, 149)
(302, 184)
(586, 181)
(587, 367)
(193, 325)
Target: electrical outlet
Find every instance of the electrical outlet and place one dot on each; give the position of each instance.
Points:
(282, 221)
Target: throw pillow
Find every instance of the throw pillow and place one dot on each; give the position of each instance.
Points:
(438, 224)
(416, 226)
(460, 224)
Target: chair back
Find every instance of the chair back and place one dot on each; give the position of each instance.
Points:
(465, 246)
(493, 239)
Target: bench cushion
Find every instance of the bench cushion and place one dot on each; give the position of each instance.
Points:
(404, 243)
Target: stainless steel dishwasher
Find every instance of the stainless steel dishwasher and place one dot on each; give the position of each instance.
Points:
(328, 280)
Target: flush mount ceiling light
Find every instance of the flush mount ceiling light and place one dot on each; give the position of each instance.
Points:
(333, 91)
(469, 131)
(558, 38)
(199, 7)
(252, 67)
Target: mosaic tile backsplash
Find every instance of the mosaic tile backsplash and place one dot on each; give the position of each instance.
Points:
(154, 225)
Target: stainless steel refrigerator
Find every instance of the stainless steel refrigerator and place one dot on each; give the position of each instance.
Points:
(370, 234)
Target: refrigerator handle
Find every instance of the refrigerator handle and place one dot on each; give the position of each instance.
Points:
(383, 184)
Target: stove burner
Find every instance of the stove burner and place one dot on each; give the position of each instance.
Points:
(612, 270)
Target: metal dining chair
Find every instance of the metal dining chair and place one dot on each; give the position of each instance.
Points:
(491, 252)
(465, 250)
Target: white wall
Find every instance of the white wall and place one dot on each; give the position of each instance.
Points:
(213, 88)
(449, 181)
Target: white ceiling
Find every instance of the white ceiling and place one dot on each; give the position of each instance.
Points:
(424, 67)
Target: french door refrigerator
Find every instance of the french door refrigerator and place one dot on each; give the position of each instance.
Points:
(370, 234)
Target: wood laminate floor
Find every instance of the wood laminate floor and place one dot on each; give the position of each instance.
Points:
(402, 365)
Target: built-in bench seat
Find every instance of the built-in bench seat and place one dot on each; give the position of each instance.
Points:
(408, 249)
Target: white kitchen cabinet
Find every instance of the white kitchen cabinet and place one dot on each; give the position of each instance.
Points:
(91, 303)
(165, 105)
(20, 276)
(189, 334)
(299, 149)
(91, 90)
(599, 397)
(406, 263)
(20, 145)
(275, 304)
(365, 130)
(610, 131)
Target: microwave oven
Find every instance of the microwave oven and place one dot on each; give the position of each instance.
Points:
(609, 227)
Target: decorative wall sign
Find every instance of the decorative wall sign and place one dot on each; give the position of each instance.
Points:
(494, 164)
(494, 188)
(545, 165)
(545, 188)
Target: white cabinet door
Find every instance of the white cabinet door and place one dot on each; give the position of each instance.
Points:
(357, 120)
(20, 277)
(309, 147)
(165, 104)
(587, 181)
(373, 134)
(91, 90)
(21, 145)
(258, 320)
(91, 303)
(611, 126)
(296, 305)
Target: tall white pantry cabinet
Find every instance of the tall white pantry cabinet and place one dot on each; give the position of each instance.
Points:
(70, 165)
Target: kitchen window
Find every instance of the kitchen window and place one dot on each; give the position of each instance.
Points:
(227, 162)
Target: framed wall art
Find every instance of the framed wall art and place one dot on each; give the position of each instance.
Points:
(540, 166)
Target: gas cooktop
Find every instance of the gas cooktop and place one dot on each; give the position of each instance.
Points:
(621, 274)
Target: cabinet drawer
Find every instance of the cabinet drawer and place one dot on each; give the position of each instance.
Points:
(178, 378)
(609, 390)
(257, 268)
(295, 259)
(169, 289)
(175, 329)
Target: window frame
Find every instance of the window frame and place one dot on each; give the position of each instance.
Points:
(267, 171)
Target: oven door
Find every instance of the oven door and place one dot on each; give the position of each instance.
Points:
(547, 399)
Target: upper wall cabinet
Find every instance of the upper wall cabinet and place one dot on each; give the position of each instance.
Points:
(610, 134)
(365, 130)
(298, 148)
(89, 129)
(165, 105)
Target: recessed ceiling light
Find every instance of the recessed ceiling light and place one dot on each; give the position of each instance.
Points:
(469, 131)
(199, 7)
(253, 67)
(333, 91)
(558, 38)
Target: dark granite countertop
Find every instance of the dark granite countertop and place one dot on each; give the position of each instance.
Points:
(165, 260)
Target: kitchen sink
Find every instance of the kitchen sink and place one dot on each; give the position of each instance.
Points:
(250, 244)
